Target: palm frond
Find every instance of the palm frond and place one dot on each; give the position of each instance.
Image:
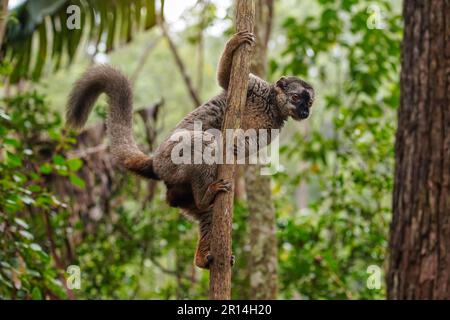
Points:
(37, 31)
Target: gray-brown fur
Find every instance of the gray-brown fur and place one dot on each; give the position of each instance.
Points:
(105, 79)
(191, 187)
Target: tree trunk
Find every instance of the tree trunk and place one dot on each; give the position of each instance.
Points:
(262, 263)
(220, 276)
(420, 232)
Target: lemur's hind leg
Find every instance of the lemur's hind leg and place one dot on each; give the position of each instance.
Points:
(203, 257)
(202, 253)
(204, 189)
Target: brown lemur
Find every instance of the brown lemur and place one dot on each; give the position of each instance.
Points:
(191, 187)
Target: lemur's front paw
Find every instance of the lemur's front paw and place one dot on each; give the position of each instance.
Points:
(222, 185)
(246, 37)
(240, 38)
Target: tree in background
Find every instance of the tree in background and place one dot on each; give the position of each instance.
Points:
(143, 249)
(420, 231)
(262, 257)
(352, 61)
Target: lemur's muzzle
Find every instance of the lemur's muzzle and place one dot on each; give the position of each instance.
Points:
(302, 108)
(303, 112)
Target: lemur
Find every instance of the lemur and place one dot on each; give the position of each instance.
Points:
(191, 187)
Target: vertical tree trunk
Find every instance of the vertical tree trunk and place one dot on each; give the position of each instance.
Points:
(220, 276)
(420, 233)
(262, 263)
(3, 19)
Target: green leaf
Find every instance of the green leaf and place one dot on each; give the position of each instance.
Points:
(102, 16)
(77, 181)
(44, 200)
(150, 18)
(21, 223)
(4, 116)
(36, 294)
(27, 200)
(58, 42)
(35, 247)
(75, 164)
(14, 160)
(12, 142)
(42, 52)
(46, 168)
(27, 235)
(112, 20)
(55, 135)
(19, 178)
(58, 159)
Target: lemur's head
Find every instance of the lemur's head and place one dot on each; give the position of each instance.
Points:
(294, 97)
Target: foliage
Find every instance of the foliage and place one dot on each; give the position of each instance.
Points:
(144, 249)
(347, 155)
(26, 266)
(108, 21)
(41, 237)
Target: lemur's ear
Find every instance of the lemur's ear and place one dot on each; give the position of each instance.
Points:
(281, 83)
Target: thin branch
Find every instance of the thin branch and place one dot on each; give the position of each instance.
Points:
(143, 59)
(83, 153)
(168, 271)
(149, 118)
(201, 44)
(187, 79)
(220, 272)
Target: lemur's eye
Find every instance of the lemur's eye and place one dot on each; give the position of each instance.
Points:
(295, 98)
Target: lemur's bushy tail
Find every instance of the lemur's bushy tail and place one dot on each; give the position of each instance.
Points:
(106, 79)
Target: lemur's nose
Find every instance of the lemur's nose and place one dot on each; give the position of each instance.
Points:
(304, 113)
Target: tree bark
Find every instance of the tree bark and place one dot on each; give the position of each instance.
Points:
(220, 275)
(419, 266)
(263, 256)
(3, 19)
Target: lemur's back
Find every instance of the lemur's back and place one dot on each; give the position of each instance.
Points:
(209, 115)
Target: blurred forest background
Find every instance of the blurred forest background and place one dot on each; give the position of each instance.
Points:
(64, 202)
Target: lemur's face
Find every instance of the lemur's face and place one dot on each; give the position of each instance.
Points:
(294, 97)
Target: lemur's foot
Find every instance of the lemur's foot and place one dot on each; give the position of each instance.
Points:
(206, 262)
(203, 261)
(232, 259)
